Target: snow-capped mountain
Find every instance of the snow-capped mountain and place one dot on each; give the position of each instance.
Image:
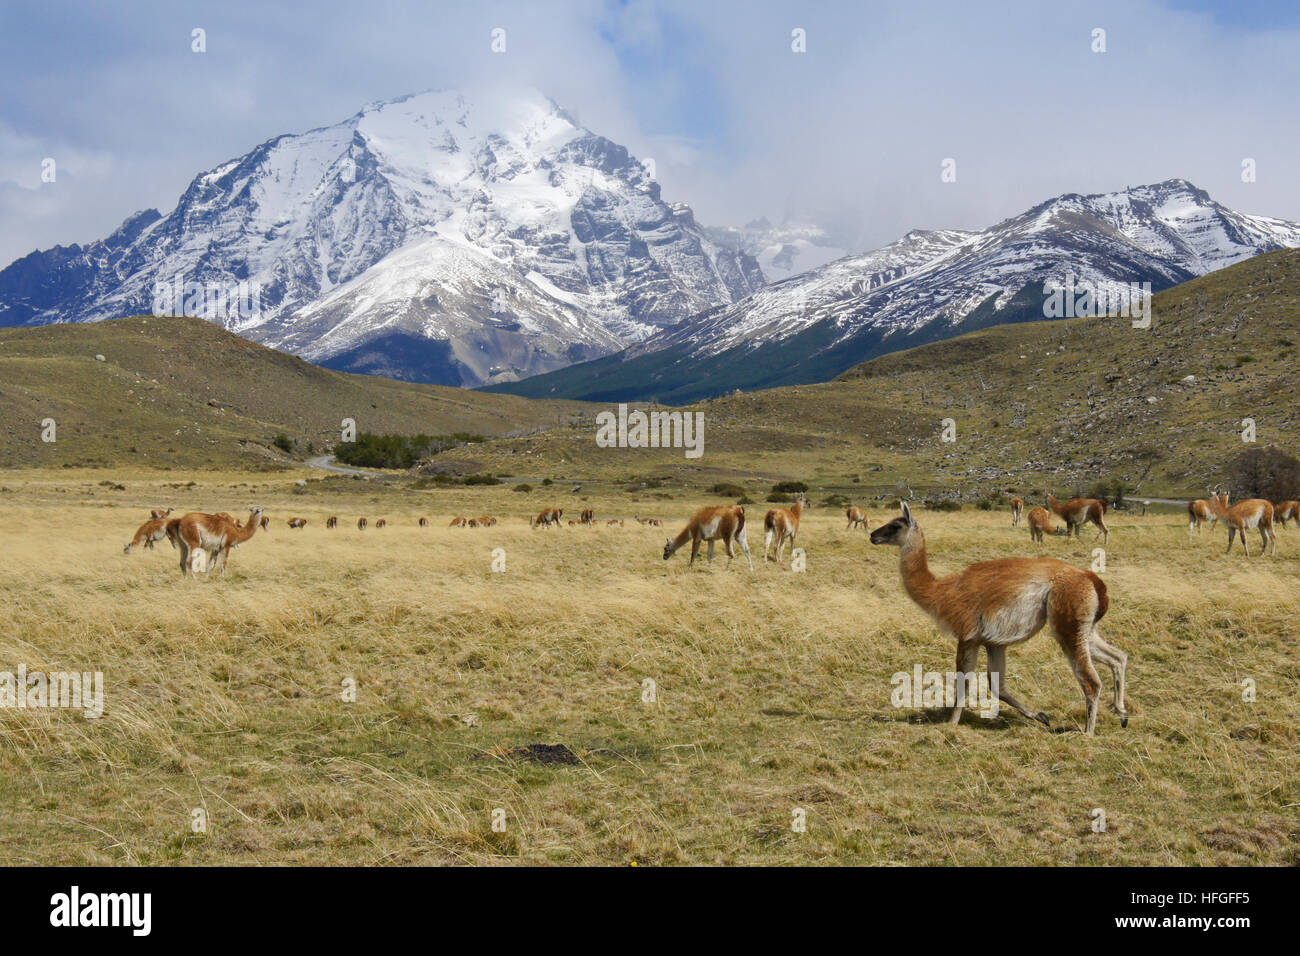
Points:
(440, 237)
(782, 251)
(928, 286)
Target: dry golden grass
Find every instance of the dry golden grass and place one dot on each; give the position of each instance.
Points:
(773, 693)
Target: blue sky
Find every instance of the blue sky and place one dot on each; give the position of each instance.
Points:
(850, 134)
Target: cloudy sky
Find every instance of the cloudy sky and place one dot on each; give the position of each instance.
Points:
(851, 133)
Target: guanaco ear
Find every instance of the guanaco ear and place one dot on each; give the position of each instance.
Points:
(907, 513)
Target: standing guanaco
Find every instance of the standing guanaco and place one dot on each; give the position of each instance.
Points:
(996, 604)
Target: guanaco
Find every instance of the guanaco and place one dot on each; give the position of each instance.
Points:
(996, 604)
(857, 518)
(155, 529)
(781, 526)
(214, 534)
(1017, 506)
(1251, 513)
(1039, 524)
(1078, 511)
(722, 522)
(1198, 512)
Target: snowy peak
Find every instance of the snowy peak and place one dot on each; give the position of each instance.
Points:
(934, 284)
(489, 231)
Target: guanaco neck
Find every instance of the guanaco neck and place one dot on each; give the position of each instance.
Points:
(918, 582)
(241, 535)
(681, 538)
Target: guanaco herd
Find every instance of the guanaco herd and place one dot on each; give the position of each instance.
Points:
(992, 605)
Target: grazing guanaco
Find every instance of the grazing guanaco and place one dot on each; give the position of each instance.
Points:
(381, 523)
(612, 522)
(1039, 524)
(486, 521)
(588, 516)
(332, 521)
(857, 518)
(1078, 511)
(155, 529)
(424, 522)
(297, 522)
(473, 522)
(1251, 513)
(214, 534)
(547, 517)
(781, 526)
(725, 523)
(996, 604)
(655, 522)
(1285, 511)
(458, 522)
(1017, 506)
(1199, 512)
(361, 524)
(159, 513)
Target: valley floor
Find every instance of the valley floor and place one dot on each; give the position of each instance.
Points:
(771, 691)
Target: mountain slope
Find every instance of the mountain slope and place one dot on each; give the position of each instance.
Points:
(928, 286)
(1061, 404)
(494, 225)
(179, 392)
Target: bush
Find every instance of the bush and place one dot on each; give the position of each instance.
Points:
(835, 501)
(946, 504)
(745, 501)
(789, 488)
(779, 498)
(1112, 492)
(984, 505)
(727, 490)
(397, 451)
(482, 480)
(283, 442)
(546, 482)
(1264, 473)
(524, 488)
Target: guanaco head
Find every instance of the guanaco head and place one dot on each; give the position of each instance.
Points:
(897, 531)
(668, 548)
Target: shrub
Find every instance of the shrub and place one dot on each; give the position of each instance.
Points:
(778, 497)
(482, 480)
(283, 442)
(789, 488)
(946, 504)
(984, 505)
(525, 488)
(1264, 473)
(727, 490)
(835, 501)
(546, 482)
(397, 451)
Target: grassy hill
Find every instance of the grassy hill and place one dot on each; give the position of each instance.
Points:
(1064, 403)
(180, 392)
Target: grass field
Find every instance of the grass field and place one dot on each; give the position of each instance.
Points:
(772, 692)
